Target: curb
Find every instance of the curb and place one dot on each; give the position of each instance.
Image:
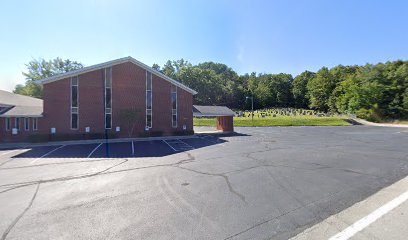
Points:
(336, 223)
(367, 123)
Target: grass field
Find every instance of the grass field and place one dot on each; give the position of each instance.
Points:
(280, 117)
(277, 121)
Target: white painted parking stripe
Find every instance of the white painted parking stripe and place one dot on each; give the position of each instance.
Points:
(178, 145)
(209, 139)
(372, 217)
(94, 150)
(133, 149)
(169, 145)
(48, 153)
(8, 152)
(191, 147)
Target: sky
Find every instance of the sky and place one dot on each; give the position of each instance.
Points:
(249, 36)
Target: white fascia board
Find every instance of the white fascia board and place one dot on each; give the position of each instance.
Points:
(8, 116)
(161, 75)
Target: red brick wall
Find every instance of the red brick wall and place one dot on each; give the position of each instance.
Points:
(225, 123)
(128, 91)
(22, 135)
(56, 96)
(185, 109)
(91, 102)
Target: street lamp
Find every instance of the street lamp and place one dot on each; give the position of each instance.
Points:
(252, 100)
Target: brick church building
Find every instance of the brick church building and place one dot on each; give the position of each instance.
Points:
(119, 98)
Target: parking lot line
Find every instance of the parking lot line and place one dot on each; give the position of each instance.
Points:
(133, 148)
(96, 148)
(372, 217)
(8, 152)
(186, 144)
(177, 145)
(169, 145)
(48, 153)
(206, 137)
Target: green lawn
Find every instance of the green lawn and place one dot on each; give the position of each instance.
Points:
(278, 121)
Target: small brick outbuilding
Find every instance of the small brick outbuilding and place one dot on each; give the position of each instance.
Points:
(224, 116)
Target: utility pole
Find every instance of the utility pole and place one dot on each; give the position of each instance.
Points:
(252, 112)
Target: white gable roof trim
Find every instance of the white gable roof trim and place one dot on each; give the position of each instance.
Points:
(110, 64)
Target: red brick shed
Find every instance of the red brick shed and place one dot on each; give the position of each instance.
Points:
(224, 116)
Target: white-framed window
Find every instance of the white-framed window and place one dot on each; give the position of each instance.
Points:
(174, 106)
(26, 124)
(149, 100)
(35, 123)
(8, 124)
(74, 102)
(108, 98)
(17, 123)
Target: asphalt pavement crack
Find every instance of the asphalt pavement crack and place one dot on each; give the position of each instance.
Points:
(329, 196)
(225, 177)
(10, 227)
(13, 186)
(59, 163)
(24, 184)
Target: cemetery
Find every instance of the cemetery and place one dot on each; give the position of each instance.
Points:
(280, 117)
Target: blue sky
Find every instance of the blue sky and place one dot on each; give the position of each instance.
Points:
(249, 36)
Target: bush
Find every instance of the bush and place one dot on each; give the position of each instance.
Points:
(369, 115)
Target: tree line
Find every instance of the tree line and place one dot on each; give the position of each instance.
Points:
(373, 91)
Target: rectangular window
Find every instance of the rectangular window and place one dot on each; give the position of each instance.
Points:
(148, 81)
(108, 120)
(74, 120)
(174, 106)
(174, 101)
(108, 98)
(149, 99)
(35, 123)
(17, 123)
(8, 124)
(149, 119)
(74, 102)
(26, 124)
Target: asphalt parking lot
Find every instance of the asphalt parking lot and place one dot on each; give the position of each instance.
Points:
(258, 184)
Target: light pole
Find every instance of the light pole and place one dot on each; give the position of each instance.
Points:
(252, 114)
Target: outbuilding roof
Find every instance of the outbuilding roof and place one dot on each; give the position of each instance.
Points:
(110, 64)
(15, 105)
(212, 111)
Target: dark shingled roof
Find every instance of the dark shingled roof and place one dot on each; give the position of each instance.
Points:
(15, 105)
(211, 111)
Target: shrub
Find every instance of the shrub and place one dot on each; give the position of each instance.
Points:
(369, 115)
